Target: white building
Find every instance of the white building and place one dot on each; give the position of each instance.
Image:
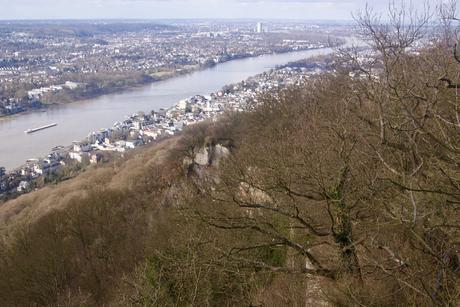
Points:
(260, 27)
(76, 156)
(95, 158)
(82, 147)
(71, 85)
(23, 186)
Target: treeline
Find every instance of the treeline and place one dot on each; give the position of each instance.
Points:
(343, 191)
(96, 84)
(116, 235)
(74, 28)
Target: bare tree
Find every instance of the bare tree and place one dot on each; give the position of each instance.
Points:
(356, 176)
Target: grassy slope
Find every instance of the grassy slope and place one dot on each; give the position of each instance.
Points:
(118, 175)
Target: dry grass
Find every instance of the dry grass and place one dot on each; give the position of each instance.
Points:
(119, 174)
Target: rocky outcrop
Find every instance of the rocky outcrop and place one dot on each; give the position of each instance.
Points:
(204, 157)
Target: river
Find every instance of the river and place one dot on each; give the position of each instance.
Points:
(76, 120)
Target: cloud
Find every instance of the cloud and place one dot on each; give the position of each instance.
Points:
(280, 9)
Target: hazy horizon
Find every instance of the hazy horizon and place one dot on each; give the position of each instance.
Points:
(305, 10)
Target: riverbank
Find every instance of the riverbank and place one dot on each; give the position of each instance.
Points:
(80, 95)
(105, 144)
(75, 120)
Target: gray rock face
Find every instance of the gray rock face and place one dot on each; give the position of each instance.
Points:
(211, 155)
(220, 152)
(202, 157)
(208, 155)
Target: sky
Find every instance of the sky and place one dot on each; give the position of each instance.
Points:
(178, 9)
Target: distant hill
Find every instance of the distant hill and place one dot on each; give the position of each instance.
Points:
(79, 28)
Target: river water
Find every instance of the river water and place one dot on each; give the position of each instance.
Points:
(77, 119)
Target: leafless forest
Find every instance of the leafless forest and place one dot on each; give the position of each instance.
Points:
(344, 191)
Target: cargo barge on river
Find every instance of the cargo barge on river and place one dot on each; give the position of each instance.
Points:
(40, 128)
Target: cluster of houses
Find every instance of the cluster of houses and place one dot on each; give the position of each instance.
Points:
(139, 129)
(36, 94)
(13, 105)
(34, 62)
(9, 106)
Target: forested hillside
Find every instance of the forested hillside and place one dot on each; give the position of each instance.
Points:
(344, 191)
